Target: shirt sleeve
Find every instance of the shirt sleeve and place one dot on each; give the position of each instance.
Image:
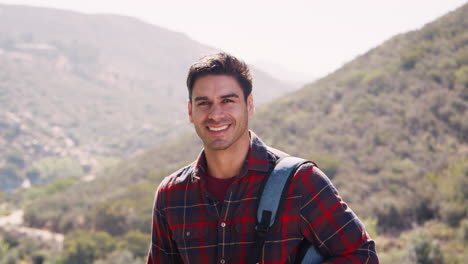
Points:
(163, 249)
(328, 223)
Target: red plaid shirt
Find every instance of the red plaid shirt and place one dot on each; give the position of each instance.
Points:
(191, 226)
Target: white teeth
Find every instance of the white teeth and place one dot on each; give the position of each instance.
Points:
(218, 128)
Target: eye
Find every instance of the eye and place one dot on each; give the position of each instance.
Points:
(227, 100)
(202, 103)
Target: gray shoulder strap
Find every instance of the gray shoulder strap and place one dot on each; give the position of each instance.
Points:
(312, 256)
(275, 184)
(271, 197)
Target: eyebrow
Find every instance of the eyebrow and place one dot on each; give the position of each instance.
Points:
(200, 98)
(203, 98)
(229, 96)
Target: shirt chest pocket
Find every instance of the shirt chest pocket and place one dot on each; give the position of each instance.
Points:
(190, 236)
(189, 242)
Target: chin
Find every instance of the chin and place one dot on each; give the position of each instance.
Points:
(217, 145)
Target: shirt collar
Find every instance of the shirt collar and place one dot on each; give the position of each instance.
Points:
(257, 157)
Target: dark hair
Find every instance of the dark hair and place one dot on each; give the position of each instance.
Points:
(220, 64)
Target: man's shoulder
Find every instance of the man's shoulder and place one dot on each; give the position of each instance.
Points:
(309, 179)
(178, 177)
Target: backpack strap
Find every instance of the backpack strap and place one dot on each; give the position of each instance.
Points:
(275, 186)
(271, 194)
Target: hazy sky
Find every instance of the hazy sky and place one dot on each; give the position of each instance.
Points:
(311, 37)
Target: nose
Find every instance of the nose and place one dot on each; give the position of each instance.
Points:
(216, 112)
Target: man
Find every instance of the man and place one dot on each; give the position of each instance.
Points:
(206, 211)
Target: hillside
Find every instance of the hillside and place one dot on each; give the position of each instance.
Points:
(386, 119)
(75, 88)
(390, 128)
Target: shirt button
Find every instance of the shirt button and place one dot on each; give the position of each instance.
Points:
(223, 224)
(222, 261)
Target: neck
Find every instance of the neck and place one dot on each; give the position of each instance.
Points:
(227, 163)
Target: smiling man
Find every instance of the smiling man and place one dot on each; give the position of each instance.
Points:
(206, 211)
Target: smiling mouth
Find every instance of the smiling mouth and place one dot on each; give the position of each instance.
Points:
(216, 129)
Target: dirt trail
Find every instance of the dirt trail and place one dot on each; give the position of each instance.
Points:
(13, 224)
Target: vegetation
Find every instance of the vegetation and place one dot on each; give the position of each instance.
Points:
(393, 122)
(75, 85)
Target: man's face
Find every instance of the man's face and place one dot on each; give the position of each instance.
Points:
(219, 111)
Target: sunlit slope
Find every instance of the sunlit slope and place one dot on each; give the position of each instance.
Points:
(385, 120)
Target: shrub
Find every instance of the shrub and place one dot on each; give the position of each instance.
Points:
(51, 168)
(136, 242)
(12, 132)
(9, 179)
(375, 81)
(11, 257)
(450, 192)
(16, 159)
(393, 215)
(354, 78)
(83, 247)
(464, 230)
(461, 76)
(58, 185)
(38, 258)
(453, 212)
(120, 257)
(410, 58)
(3, 248)
(115, 212)
(33, 175)
(425, 250)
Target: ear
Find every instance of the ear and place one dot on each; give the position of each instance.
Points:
(189, 106)
(250, 105)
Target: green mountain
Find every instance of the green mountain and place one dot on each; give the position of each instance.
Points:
(389, 128)
(76, 87)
